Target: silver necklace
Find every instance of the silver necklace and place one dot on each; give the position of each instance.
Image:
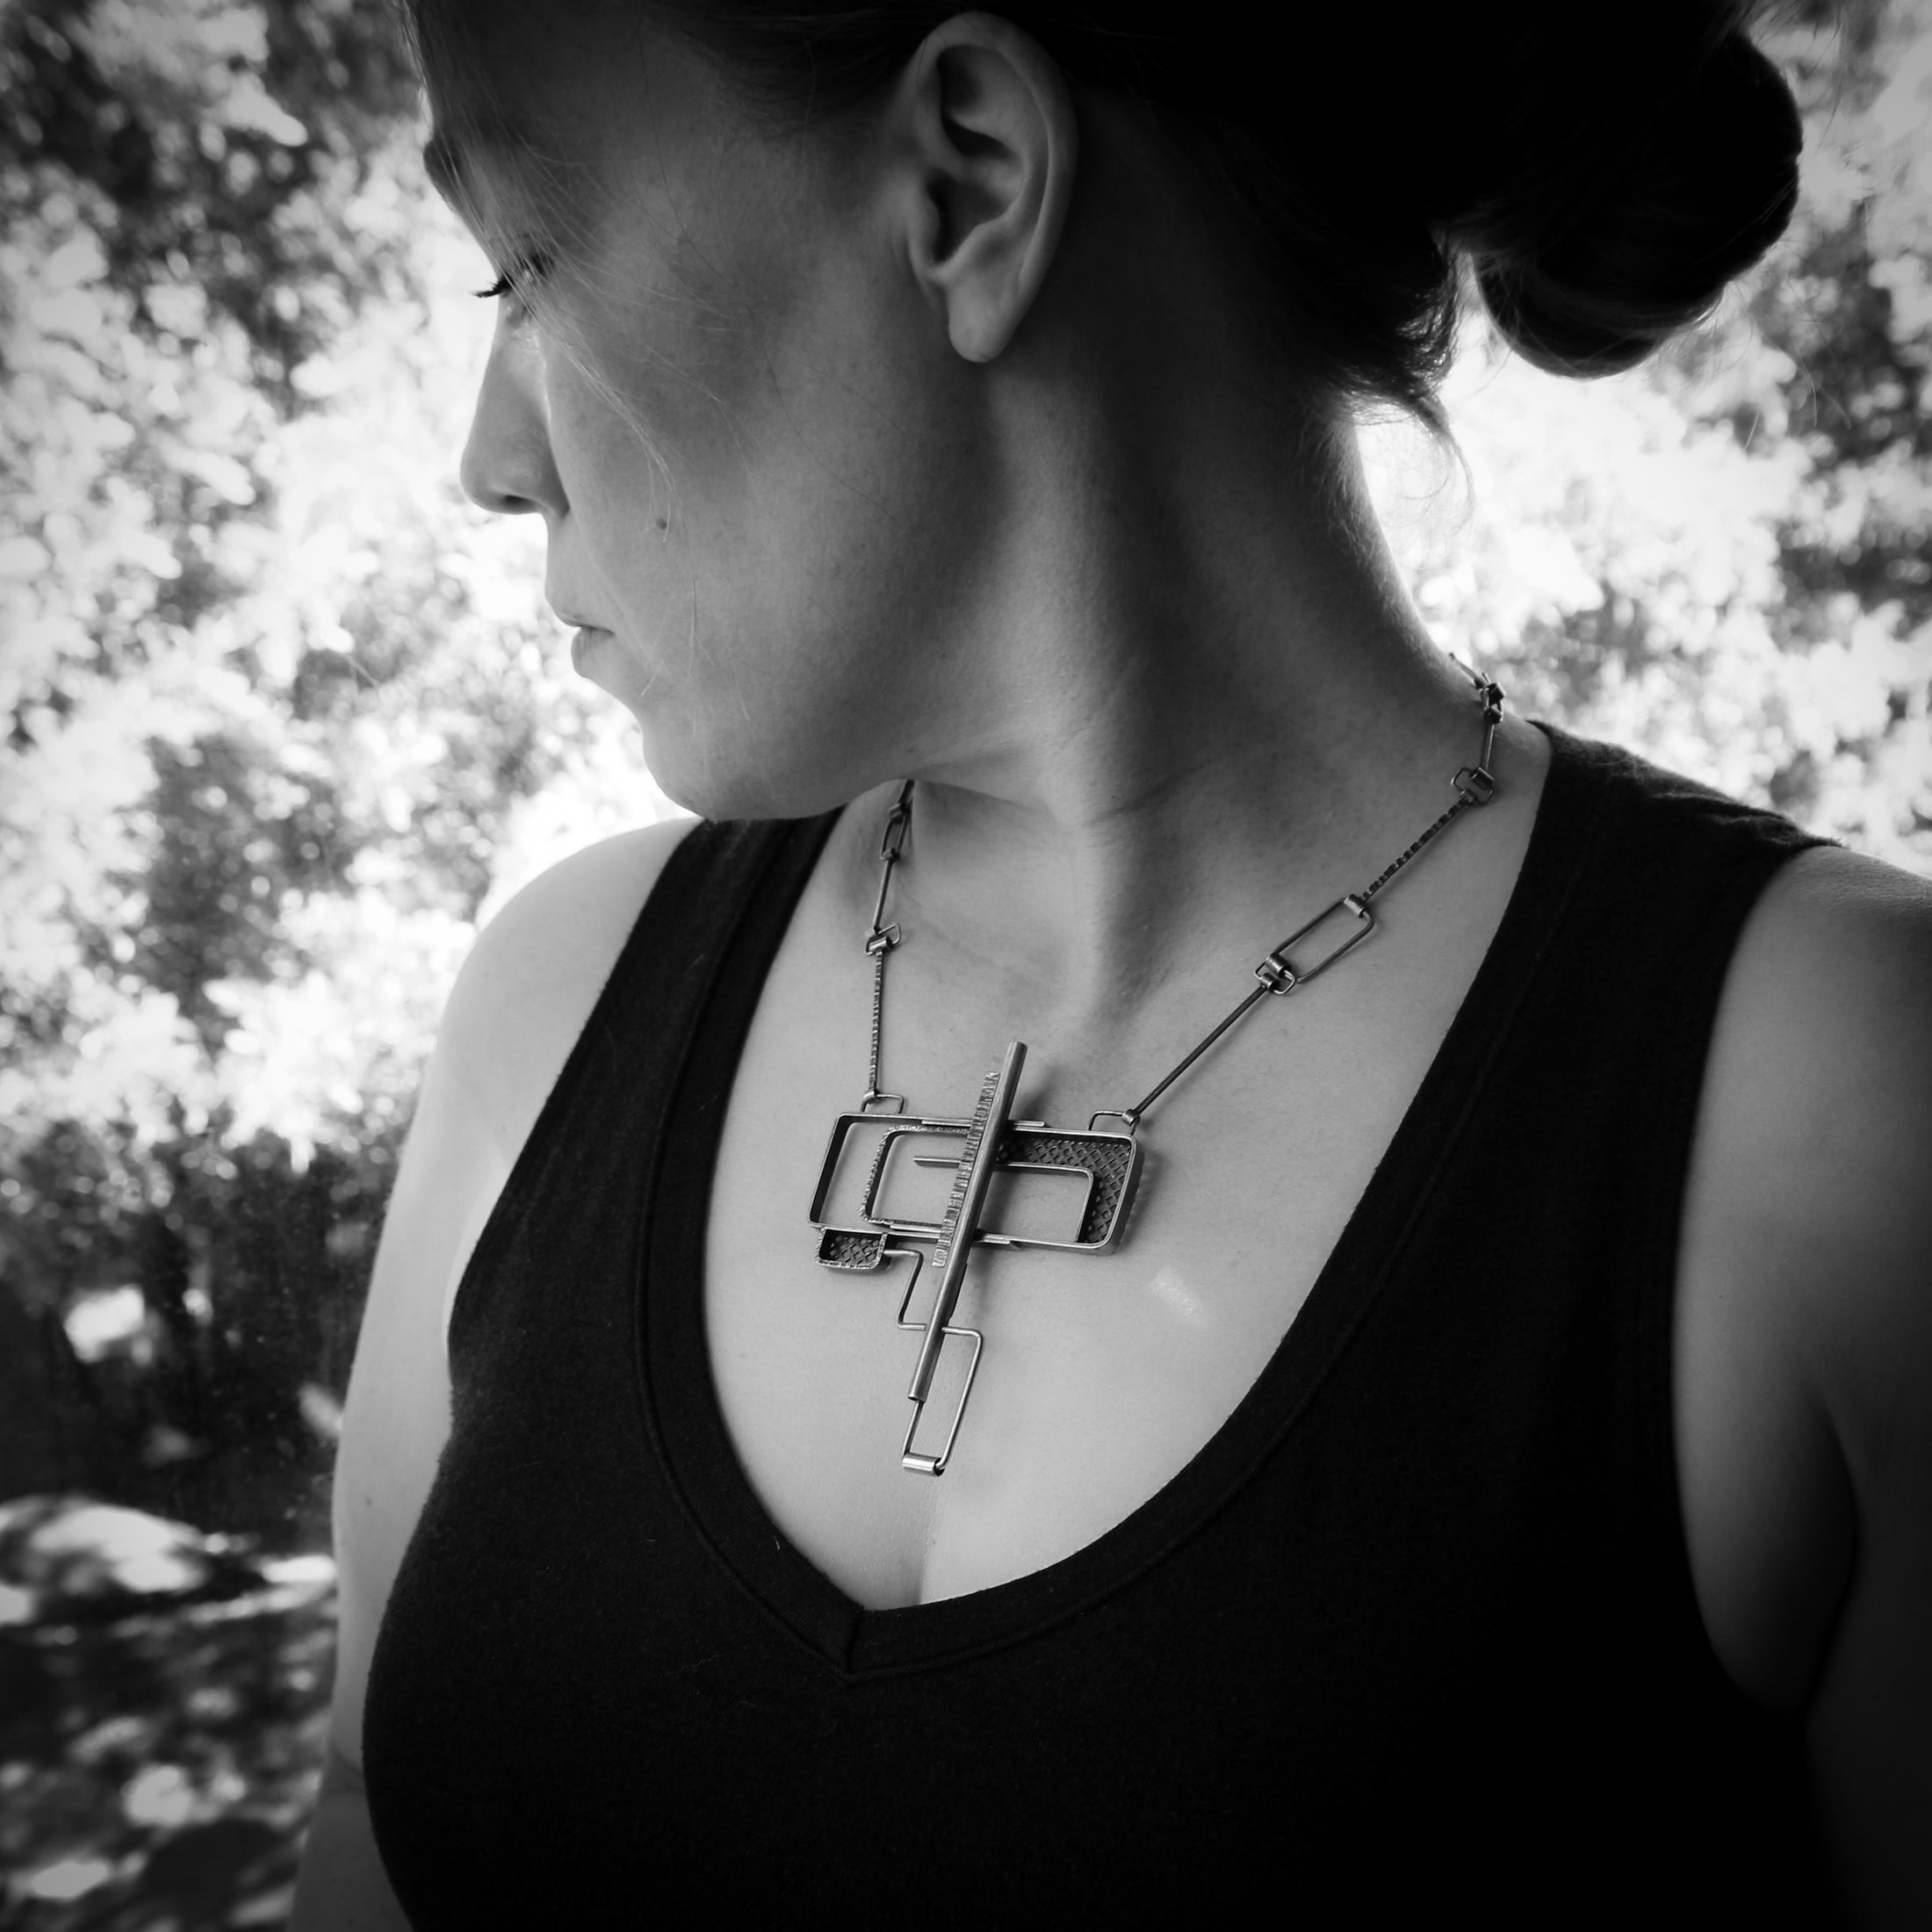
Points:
(870, 1145)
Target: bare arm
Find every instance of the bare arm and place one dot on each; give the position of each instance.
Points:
(342, 1888)
(517, 1008)
(1869, 1716)
(1804, 1398)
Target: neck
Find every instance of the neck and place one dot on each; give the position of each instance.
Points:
(1181, 743)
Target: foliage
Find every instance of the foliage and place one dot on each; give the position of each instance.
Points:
(284, 722)
(161, 1720)
(1721, 559)
(281, 718)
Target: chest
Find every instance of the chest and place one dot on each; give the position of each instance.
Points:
(1099, 1375)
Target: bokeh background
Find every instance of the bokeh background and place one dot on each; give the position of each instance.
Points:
(286, 721)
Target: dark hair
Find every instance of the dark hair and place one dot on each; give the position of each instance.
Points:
(1605, 173)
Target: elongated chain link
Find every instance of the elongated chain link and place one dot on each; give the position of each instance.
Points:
(1474, 785)
(882, 939)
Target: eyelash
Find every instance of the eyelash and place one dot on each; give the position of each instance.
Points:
(509, 282)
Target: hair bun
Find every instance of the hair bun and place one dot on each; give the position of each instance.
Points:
(1703, 191)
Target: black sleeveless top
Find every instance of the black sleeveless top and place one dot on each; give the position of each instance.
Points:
(1416, 1628)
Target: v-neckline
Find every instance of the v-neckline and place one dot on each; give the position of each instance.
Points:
(686, 1420)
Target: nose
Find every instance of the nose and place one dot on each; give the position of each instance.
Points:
(507, 463)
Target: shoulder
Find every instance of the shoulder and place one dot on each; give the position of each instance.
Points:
(595, 893)
(1815, 1141)
(537, 968)
(1822, 1063)
(1805, 1337)
(1816, 1152)
(1805, 1288)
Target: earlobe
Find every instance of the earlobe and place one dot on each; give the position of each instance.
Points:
(996, 138)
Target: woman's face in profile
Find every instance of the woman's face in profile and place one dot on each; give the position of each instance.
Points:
(734, 410)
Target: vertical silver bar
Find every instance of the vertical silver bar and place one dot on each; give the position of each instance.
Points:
(964, 1207)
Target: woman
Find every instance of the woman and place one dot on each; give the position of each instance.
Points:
(1493, 1463)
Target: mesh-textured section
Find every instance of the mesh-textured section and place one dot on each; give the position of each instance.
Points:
(1106, 1160)
(850, 1248)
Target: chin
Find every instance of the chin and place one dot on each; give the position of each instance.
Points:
(744, 773)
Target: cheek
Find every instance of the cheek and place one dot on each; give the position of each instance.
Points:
(620, 491)
(781, 512)
(765, 492)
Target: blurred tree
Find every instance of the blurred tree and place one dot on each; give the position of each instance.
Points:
(164, 1711)
(275, 714)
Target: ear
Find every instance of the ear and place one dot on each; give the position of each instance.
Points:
(990, 123)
